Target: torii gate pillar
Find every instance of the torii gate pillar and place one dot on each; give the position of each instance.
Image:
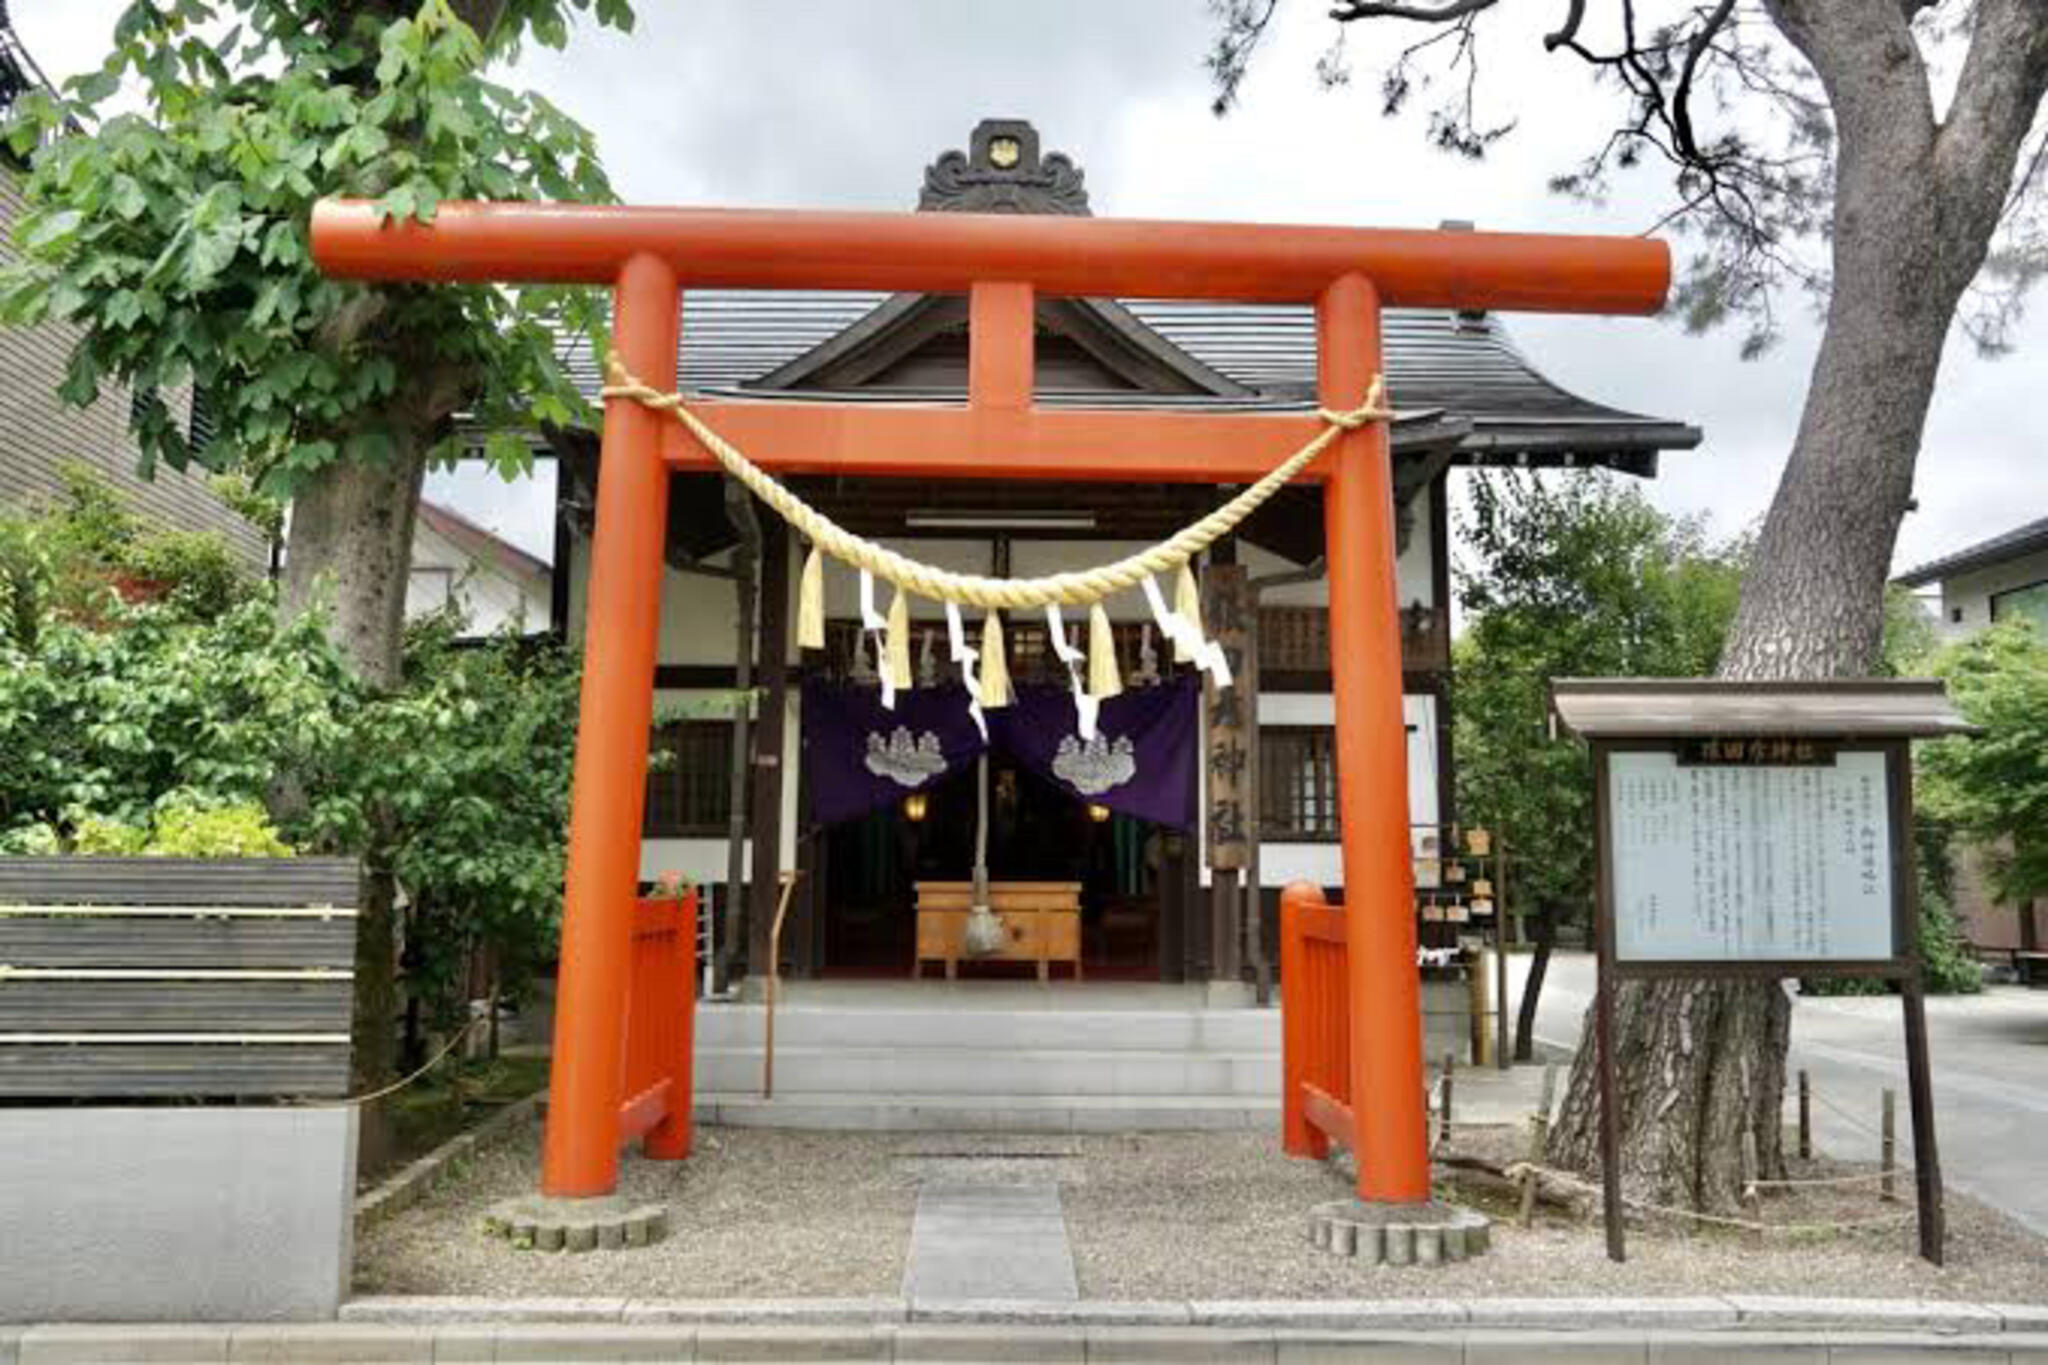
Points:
(648, 255)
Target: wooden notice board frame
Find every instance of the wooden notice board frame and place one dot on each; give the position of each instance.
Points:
(1674, 716)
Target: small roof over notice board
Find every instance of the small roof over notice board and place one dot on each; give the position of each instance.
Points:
(1677, 708)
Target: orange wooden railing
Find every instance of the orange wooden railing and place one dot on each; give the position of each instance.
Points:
(661, 1011)
(1315, 1024)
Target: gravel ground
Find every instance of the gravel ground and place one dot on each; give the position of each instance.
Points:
(1153, 1216)
(753, 1214)
(1201, 1215)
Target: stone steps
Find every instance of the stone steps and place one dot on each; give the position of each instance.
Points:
(1143, 1030)
(969, 1072)
(914, 1111)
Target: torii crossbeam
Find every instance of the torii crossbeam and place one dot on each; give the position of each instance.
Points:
(649, 255)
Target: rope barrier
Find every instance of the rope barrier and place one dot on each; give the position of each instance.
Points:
(1522, 1168)
(1074, 588)
(401, 1083)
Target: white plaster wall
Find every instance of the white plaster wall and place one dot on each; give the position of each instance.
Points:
(492, 599)
(1971, 593)
(1281, 863)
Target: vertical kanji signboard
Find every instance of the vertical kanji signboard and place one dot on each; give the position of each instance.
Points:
(1761, 831)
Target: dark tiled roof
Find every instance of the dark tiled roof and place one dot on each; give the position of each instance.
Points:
(1463, 367)
(2019, 541)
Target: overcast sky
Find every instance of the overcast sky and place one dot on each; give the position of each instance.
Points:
(738, 103)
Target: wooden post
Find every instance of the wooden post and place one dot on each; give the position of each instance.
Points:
(1501, 1045)
(1232, 713)
(1539, 1145)
(580, 1155)
(765, 815)
(1443, 1132)
(1805, 1115)
(1887, 1144)
(788, 883)
(1752, 1196)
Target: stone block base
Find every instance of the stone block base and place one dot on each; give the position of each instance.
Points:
(1399, 1234)
(537, 1222)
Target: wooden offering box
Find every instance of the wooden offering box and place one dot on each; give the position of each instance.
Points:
(1041, 923)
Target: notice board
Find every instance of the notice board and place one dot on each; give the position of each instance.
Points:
(1737, 862)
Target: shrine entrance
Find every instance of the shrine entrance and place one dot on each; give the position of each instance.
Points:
(1001, 263)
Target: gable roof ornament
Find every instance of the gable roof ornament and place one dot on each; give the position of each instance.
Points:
(1002, 172)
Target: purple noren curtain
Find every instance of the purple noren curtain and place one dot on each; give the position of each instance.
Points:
(1141, 762)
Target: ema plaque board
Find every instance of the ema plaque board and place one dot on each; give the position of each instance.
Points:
(1737, 862)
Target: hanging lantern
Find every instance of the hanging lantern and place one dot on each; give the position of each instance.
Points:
(914, 807)
(1097, 813)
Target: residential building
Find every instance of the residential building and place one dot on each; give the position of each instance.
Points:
(2002, 578)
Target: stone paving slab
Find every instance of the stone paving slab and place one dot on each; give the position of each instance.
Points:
(970, 1240)
(1397, 1315)
(767, 1312)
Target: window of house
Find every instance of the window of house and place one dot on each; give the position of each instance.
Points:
(1298, 784)
(689, 785)
(2026, 604)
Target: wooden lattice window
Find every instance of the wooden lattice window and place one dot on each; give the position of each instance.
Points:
(1298, 784)
(1294, 639)
(689, 782)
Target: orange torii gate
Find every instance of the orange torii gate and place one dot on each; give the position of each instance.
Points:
(649, 255)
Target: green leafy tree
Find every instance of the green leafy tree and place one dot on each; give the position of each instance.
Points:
(174, 235)
(462, 778)
(1993, 788)
(1577, 576)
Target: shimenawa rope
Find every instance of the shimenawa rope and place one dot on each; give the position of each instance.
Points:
(1067, 589)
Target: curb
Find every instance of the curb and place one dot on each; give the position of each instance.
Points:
(935, 1342)
(415, 1180)
(1737, 1313)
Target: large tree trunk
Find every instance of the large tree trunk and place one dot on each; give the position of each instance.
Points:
(1701, 1063)
(350, 554)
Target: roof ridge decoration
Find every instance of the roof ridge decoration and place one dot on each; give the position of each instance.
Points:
(1002, 172)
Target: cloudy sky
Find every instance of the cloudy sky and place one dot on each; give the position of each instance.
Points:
(737, 103)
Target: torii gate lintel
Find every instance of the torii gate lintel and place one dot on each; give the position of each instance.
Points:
(650, 255)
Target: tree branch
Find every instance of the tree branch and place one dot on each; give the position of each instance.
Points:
(1569, 30)
(1421, 14)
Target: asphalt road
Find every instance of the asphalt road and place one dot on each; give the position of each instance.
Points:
(1990, 1058)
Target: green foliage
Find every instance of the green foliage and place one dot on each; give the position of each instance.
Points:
(461, 779)
(175, 235)
(153, 733)
(1993, 788)
(78, 555)
(189, 828)
(1571, 577)
(105, 722)
(185, 824)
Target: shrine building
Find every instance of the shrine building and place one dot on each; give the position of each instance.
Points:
(1153, 828)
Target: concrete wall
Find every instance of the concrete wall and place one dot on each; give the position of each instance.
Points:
(162, 1214)
(1966, 598)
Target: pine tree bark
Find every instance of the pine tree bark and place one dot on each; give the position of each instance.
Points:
(1916, 203)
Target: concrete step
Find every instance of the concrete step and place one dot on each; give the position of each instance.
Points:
(996, 1070)
(981, 1029)
(929, 1112)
